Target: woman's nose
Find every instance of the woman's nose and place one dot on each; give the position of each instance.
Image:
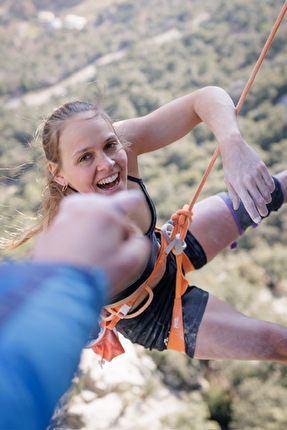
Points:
(105, 163)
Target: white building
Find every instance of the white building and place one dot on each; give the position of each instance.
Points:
(75, 22)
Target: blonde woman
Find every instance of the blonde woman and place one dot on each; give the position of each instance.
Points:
(87, 153)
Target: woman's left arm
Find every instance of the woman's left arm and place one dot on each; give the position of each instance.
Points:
(246, 176)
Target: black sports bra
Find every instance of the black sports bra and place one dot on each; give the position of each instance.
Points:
(150, 203)
(154, 248)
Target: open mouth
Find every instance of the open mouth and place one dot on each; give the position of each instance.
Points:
(109, 182)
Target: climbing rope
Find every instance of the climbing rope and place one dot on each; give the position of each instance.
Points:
(242, 98)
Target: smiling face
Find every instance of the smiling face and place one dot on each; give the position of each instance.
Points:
(92, 157)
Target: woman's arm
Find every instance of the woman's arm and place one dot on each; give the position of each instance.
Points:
(246, 176)
(47, 312)
(174, 120)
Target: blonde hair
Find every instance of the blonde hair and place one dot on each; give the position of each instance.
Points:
(49, 132)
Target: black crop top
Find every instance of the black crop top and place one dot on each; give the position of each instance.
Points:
(154, 247)
(150, 203)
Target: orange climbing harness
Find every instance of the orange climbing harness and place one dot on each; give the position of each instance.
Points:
(108, 345)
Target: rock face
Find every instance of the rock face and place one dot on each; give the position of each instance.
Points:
(129, 394)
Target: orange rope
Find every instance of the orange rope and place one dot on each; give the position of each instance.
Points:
(242, 98)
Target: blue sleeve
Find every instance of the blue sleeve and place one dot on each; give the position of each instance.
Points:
(46, 314)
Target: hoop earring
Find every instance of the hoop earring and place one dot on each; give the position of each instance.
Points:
(64, 188)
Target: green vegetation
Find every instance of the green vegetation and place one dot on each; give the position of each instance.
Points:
(205, 43)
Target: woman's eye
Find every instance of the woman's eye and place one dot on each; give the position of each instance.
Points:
(84, 157)
(111, 145)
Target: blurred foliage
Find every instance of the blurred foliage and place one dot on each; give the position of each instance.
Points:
(146, 55)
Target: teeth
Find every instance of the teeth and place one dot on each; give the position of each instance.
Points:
(108, 180)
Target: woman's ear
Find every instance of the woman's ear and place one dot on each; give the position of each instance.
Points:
(53, 168)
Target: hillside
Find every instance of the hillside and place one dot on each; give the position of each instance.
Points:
(164, 52)
(141, 56)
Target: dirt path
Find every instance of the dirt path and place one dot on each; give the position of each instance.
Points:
(87, 73)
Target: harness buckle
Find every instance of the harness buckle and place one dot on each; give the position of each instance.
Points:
(123, 311)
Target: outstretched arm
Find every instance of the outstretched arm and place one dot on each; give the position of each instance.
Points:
(246, 176)
(46, 314)
(48, 307)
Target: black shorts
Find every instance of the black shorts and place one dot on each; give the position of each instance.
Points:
(151, 328)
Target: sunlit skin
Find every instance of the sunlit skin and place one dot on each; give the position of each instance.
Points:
(92, 157)
(94, 160)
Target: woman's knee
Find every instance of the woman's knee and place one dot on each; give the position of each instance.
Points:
(228, 334)
(267, 341)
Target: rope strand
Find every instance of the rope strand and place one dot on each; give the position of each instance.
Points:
(242, 98)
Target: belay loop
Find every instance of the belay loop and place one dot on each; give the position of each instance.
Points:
(180, 223)
(175, 230)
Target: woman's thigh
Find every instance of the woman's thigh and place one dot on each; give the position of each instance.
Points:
(213, 226)
(225, 333)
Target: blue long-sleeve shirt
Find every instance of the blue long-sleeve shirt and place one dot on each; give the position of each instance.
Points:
(46, 314)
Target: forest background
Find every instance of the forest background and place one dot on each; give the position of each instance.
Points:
(142, 55)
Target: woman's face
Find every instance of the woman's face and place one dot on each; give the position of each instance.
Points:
(92, 157)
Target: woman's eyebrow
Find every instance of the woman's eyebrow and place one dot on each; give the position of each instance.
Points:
(89, 148)
(80, 151)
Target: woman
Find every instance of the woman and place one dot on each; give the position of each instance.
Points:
(87, 153)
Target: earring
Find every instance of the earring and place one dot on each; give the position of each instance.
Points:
(64, 188)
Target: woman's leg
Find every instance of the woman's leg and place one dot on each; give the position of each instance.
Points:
(225, 333)
(213, 224)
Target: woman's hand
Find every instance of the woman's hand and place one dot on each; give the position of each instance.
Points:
(94, 231)
(246, 177)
